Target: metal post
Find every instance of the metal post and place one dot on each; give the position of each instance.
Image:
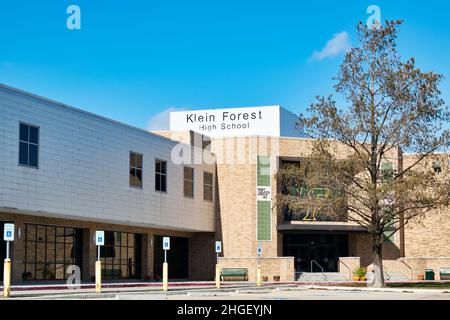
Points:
(98, 273)
(258, 268)
(217, 271)
(165, 273)
(7, 273)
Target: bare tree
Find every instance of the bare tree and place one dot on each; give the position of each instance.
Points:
(390, 106)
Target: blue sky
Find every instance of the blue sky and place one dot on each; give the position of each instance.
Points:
(132, 59)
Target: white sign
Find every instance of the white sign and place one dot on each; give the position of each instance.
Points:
(166, 243)
(259, 250)
(100, 238)
(253, 121)
(8, 232)
(263, 193)
(218, 246)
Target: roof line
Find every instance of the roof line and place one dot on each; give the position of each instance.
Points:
(87, 113)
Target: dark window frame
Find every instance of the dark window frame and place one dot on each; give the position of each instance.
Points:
(159, 174)
(28, 143)
(33, 244)
(136, 169)
(111, 261)
(187, 180)
(205, 186)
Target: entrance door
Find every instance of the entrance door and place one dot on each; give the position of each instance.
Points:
(311, 250)
(177, 258)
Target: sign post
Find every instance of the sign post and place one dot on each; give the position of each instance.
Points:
(8, 235)
(258, 266)
(218, 250)
(166, 247)
(99, 241)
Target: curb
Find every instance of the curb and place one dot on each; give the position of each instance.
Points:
(367, 289)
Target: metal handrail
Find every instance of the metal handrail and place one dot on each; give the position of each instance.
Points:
(323, 273)
(410, 268)
(349, 270)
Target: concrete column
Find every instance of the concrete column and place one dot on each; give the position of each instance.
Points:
(17, 252)
(89, 254)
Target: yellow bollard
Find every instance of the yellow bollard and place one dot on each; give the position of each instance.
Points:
(165, 276)
(218, 276)
(98, 276)
(7, 278)
(258, 275)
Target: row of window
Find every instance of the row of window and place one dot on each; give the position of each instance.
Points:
(136, 160)
(29, 156)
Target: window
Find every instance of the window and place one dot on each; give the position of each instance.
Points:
(387, 171)
(28, 145)
(135, 170)
(263, 209)
(263, 221)
(49, 251)
(161, 175)
(189, 182)
(120, 255)
(263, 171)
(389, 234)
(207, 186)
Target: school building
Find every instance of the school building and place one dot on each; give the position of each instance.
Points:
(65, 173)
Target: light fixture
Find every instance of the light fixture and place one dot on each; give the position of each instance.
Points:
(436, 166)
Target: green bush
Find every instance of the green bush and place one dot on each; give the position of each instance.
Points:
(360, 272)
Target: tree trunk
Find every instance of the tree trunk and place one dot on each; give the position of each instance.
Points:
(377, 261)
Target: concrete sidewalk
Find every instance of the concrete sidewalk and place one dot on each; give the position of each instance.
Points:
(62, 291)
(371, 289)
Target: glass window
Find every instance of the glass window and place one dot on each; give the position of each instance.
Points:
(160, 175)
(207, 186)
(263, 171)
(28, 145)
(46, 255)
(136, 169)
(189, 182)
(264, 224)
(387, 171)
(119, 259)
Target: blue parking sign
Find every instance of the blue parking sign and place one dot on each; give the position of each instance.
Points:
(100, 238)
(8, 233)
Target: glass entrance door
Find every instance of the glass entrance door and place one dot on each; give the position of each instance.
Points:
(325, 249)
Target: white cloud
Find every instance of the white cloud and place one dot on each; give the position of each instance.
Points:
(340, 43)
(161, 121)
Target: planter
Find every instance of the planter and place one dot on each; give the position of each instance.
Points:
(276, 278)
(421, 277)
(265, 278)
(356, 278)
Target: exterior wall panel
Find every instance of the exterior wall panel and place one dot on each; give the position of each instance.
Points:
(84, 169)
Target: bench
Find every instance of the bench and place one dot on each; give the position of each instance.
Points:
(234, 273)
(444, 273)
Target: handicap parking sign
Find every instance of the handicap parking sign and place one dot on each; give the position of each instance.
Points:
(166, 243)
(218, 246)
(100, 238)
(8, 234)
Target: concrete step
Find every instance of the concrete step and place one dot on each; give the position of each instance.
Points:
(395, 276)
(321, 277)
